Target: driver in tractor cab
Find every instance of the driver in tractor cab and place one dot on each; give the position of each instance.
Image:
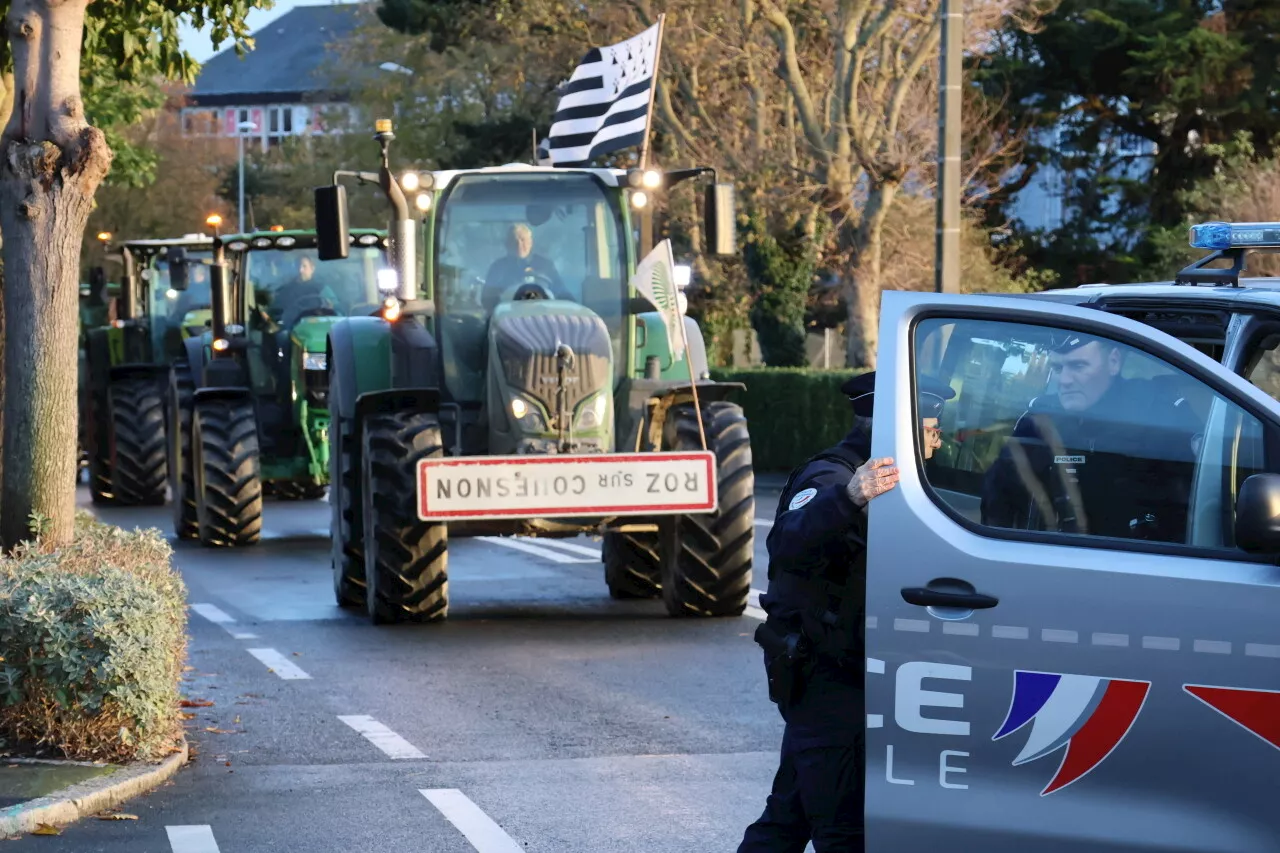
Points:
(519, 266)
(303, 293)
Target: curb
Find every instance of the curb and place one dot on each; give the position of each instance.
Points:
(89, 798)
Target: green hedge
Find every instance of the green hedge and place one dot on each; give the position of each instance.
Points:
(93, 637)
(792, 412)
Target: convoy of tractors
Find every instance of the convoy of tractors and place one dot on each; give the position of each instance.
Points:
(486, 364)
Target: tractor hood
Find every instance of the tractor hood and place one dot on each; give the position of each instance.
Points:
(195, 322)
(555, 377)
(311, 334)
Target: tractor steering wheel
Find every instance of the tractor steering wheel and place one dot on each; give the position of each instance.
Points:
(533, 290)
(311, 305)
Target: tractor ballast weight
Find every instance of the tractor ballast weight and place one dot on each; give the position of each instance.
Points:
(499, 397)
(125, 369)
(251, 394)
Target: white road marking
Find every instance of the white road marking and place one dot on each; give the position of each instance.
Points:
(536, 550)
(213, 613)
(1005, 632)
(571, 547)
(875, 721)
(192, 839)
(1117, 640)
(1261, 650)
(753, 606)
(961, 629)
(1057, 635)
(281, 665)
(478, 828)
(1162, 644)
(1212, 647)
(243, 636)
(872, 622)
(918, 626)
(382, 737)
(763, 522)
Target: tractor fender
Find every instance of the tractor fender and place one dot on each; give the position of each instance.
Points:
(416, 400)
(122, 372)
(664, 396)
(194, 349)
(222, 392)
(359, 353)
(98, 359)
(413, 355)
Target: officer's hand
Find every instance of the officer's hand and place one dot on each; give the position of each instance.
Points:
(875, 477)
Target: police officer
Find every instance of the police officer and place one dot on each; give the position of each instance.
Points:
(1104, 455)
(812, 638)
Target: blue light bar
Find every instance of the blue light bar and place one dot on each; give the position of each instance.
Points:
(1236, 235)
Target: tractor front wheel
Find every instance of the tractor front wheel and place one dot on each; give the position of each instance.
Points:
(228, 477)
(405, 558)
(137, 425)
(346, 536)
(706, 559)
(98, 433)
(632, 565)
(182, 484)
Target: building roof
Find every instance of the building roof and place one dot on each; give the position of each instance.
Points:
(290, 61)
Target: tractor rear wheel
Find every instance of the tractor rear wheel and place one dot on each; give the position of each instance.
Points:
(346, 528)
(632, 566)
(137, 423)
(706, 565)
(228, 478)
(405, 559)
(182, 484)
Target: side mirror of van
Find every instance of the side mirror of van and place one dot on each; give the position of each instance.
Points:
(1258, 514)
(721, 220)
(333, 236)
(176, 256)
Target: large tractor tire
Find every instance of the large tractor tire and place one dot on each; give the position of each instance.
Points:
(346, 529)
(182, 483)
(98, 433)
(137, 423)
(632, 564)
(706, 565)
(228, 479)
(405, 559)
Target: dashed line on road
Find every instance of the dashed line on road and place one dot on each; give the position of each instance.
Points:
(382, 737)
(192, 839)
(279, 664)
(478, 828)
(213, 613)
(535, 550)
(572, 548)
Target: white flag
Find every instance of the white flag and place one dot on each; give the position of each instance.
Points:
(655, 280)
(605, 105)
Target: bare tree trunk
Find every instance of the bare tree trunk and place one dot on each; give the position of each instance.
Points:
(6, 111)
(863, 282)
(51, 163)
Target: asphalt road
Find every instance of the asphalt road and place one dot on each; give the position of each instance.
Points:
(543, 716)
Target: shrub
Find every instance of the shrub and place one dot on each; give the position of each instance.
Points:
(793, 412)
(93, 638)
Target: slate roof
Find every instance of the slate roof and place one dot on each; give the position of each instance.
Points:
(289, 61)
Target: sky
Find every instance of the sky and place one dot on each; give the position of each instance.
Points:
(198, 45)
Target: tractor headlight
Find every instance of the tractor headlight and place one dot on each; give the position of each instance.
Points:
(527, 416)
(591, 414)
(315, 361)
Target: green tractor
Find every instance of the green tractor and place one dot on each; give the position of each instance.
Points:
(125, 363)
(250, 396)
(530, 392)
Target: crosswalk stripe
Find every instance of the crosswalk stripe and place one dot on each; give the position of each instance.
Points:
(382, 737)
(762, 522)
(192, 839)
(571, 547)
(213, 613)
(536, 550)
(279, 664)
(478, 828)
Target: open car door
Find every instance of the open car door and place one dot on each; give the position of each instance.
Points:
(1068, 647)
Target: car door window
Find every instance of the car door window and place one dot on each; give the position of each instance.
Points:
(1263, 366)
(1053, 431)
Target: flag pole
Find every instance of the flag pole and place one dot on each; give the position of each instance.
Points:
(653, 90)
(693, 380)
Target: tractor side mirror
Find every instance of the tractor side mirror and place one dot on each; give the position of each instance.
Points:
(721, 220)
(333, 236)
(176, 256)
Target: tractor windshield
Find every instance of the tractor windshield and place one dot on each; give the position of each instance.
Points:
(288, 284)
(177, 314)
(497, 233)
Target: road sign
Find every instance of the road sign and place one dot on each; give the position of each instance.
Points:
(621, 484)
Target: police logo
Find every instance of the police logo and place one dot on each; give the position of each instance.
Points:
(1068, 460)
(802, 498)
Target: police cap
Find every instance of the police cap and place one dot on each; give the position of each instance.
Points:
(931, 394)
(1064, 341)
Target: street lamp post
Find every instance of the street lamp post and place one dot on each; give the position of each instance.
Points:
(243, 128)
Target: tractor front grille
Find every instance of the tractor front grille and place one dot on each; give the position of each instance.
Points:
(316, 385)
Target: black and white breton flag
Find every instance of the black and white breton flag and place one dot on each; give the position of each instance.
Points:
(605, 105)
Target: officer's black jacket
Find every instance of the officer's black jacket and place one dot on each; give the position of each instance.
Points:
(825, 536)
(1127, 459)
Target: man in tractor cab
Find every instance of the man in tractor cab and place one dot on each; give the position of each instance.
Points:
(304, 293)
(519, 266)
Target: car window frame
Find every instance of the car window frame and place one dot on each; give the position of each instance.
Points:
(1157, 349)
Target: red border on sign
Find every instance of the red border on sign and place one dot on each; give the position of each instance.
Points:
(425, 465)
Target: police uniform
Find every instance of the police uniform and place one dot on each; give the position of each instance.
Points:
(813, 643)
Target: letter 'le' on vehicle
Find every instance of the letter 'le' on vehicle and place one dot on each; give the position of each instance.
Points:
(1071, 630)
(513, 380)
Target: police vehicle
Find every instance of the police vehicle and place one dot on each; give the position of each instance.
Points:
(1071, 683)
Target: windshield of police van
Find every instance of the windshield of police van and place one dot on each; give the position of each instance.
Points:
(557, 234)
(287, 284)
